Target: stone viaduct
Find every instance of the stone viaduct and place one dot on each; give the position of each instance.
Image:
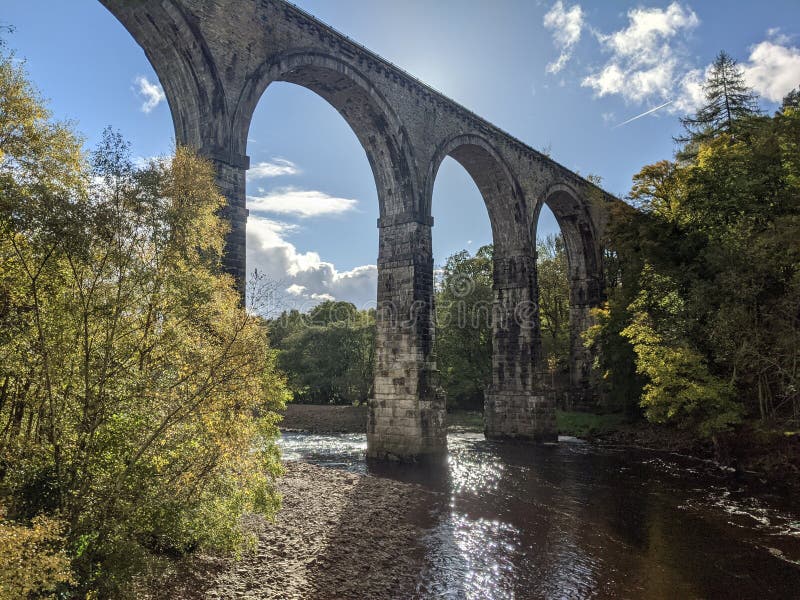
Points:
(215, 58)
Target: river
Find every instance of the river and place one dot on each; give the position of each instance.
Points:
(573, 520)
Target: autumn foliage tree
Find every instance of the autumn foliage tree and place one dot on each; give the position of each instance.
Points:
(136, 394)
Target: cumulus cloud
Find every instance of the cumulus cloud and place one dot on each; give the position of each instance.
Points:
(645, 62)
(648, 28)
(773, 69)
(275, 168)
(151, 93)
(566, 25)
(307, 279)
(300, 203)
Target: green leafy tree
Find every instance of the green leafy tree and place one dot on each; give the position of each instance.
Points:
(680, 388)
(553, 279)
(721, 228)
(328, 354)
(463, 327)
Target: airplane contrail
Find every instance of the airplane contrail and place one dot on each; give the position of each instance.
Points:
(644, 114)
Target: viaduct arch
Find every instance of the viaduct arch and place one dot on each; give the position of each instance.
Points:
(215, 59)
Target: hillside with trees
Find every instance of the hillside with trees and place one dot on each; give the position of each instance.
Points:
(707, 261)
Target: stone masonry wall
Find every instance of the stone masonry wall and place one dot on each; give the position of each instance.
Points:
(517, 405)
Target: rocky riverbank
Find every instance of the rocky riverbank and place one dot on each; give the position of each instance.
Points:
(324, 418)
(337, 535)
(329, 418)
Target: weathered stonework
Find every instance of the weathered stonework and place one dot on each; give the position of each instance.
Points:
(406, 416)
(215, 58)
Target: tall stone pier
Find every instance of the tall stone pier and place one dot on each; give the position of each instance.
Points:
(406, 417)
(517, 405)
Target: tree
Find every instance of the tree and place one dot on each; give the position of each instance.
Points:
(709, 280)
(680, 388)
(137, 398)
(791, 100)
(463, 327)
(553, 279)
(728, 100)
(328, 354)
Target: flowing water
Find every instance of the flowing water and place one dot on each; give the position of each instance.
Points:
(572, 520)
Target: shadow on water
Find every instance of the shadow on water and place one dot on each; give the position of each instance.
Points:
(576, 521)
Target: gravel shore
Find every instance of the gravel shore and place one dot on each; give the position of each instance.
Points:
(337, 535)
(324, 418)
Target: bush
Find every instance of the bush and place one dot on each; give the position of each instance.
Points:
(32, 558)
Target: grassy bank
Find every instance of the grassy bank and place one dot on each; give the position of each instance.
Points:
(577, 424)
(583, 425)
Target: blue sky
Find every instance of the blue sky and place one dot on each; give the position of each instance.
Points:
(565, 77)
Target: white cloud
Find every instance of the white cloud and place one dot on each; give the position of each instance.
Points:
(648, 62)
(611, 80)
(689, 95)
(301, 203)
(322, 297)
(645, 63)
(773, 69)
(275, 168)
(566, 25)
(152, 93)
(307, 278)
(643, 39)
(142, 162)
(776, 35)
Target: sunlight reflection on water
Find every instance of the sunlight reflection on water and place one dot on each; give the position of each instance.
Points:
(576, 521)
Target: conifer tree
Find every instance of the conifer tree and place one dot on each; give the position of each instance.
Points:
(728, 100)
